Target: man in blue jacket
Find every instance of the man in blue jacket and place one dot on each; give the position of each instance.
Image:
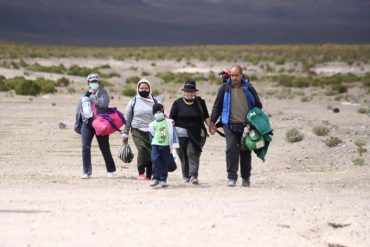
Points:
(233, 101)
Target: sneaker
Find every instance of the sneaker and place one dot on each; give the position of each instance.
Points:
(110, 174)
(141, 176)
(154, 183)
(194, 180)
(185, 180)
(231, 183)
(246, 183)
(85, 176)
(163, 184)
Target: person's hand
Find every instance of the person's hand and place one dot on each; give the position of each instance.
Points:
(88, 93)
(212, 128)
(124, 140)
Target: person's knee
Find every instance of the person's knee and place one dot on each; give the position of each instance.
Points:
(86, 147)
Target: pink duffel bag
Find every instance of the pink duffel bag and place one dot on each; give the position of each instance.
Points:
(108, 122)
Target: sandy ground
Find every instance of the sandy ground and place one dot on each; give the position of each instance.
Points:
(295, 198)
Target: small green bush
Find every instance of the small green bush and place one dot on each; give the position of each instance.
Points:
(129, 91)
(280, 60)
(321, 130)
(132, 80)
(340, 88)
(293, 135)
(106, 84)
(363, 110)
(156, 91)
(2, 84)
(360, 143)
(178, 78)
(80, 71)
(366, 80)
(332, 141)
(144, 73)
(28, 87)
(104, 66)
(12, 83)
(47, 86)
(63, 82)
(71, 90)
(109, 75)
(358, 161)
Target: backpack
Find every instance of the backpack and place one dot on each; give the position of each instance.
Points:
(225, 75)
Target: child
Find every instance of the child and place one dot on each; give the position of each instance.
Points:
(164, 139)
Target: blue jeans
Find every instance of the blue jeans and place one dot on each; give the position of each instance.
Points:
(160, 160)
(87, 134)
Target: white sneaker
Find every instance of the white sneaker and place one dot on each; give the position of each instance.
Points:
(110, 174)
(163, 184)
(84, 176)
(154, 183)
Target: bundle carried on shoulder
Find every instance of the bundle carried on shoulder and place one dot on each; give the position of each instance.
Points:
(259, 137)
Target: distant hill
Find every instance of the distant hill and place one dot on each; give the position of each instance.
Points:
(163, 22)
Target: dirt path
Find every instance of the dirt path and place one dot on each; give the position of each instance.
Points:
(294, 196)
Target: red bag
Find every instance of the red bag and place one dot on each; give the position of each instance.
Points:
(108, 122)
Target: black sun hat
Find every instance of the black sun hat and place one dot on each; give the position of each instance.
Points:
(190, 86)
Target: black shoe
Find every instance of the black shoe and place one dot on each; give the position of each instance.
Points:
(246, 182)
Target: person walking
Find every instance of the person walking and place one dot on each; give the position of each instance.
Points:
(190, 113)
(138, 116)
(163, 137)
(233, 101)
(97, 96)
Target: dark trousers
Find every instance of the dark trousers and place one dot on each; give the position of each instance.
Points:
(87, 134)
(160, 160)
(143, 146)
(234, 154)
(189, 156)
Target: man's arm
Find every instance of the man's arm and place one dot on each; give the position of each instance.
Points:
(255, 94)
(217, 109)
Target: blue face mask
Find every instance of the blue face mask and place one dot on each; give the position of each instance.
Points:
(159, 116)
(94, 86)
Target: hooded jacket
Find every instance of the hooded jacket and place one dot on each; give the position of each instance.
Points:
(138, 112)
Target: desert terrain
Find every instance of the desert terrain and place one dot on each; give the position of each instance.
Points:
(304, 194)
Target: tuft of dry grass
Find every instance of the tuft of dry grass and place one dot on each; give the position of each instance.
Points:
(294, 135)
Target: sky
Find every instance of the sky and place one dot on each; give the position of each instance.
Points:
(184, 22)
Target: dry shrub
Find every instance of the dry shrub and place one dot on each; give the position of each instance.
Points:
(293, 135)
(332, 141)
(358, 161)
(321, 130)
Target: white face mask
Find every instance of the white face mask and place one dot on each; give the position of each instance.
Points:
(94, 86)
(159, 116)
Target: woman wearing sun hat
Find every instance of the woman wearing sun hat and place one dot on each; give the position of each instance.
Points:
(190, 113)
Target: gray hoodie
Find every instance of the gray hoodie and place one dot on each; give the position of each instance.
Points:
(139, 111)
